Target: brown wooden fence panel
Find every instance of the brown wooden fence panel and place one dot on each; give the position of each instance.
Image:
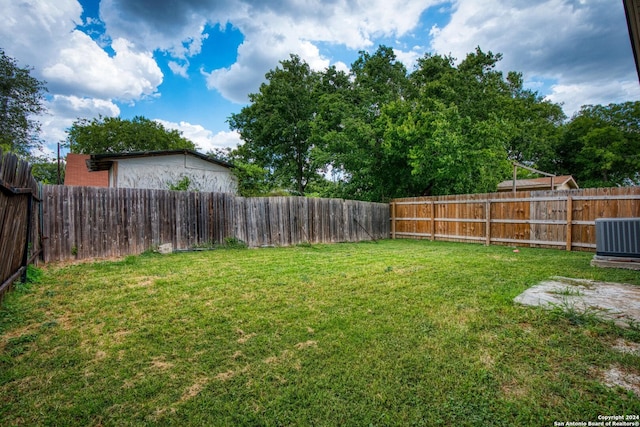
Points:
(550, 219)
(20, 242)
(91, 222)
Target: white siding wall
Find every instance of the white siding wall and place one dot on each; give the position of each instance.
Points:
(159, 172)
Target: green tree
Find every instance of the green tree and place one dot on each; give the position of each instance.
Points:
(354, 124)
(115, 135)
(466, 123)
(601, 145)
(21, 98)
(380, 133)
(276, 126)
(46, 171)
(253, 180)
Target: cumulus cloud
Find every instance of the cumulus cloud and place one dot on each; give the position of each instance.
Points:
(34, 30)
(44, 36)
(63, 110)
(256, 56)
(204, 139)
(578, 44)
(272, 30)
(84, 68)
(578, 49)
(409, 58)
(573, 96)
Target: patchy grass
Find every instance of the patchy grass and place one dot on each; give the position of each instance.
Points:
(393, 333)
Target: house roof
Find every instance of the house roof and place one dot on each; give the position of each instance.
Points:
(76, 172)
(632, 12)
(103, 162)
(538, 183)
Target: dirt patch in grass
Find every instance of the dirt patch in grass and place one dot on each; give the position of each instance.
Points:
(244, 337)
(513, 390)
(306, 344)
(195, 388)
(611, 301)
(617, 376)
(628, 347)
(160, 363)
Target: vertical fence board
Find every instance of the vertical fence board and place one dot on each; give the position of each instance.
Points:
(19, 218)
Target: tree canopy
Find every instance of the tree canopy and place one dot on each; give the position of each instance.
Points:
(115, 135)
(380, 132)
(601, 145)
(21, 98)
(277, 126)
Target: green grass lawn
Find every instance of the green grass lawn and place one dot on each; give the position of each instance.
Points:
(391, 333)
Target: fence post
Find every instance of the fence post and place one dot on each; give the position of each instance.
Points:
(393, 220)
(569, 221)
(25, 252)
(487, 216)
(433, 219)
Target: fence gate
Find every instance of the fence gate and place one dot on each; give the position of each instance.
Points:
(19, 220)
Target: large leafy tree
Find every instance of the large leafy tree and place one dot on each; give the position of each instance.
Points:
(601, 145)
(47, 171)
(379, 132)
(276, 126)
(462, 124)
(115, 135)
(21, 99)
(354, 125)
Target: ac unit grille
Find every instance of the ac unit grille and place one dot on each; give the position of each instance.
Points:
(618, 237)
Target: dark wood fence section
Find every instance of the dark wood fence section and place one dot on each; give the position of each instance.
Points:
(550, 219)
(19, 220)
(90, 222)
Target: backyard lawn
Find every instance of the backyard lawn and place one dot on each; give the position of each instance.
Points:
(398, 332)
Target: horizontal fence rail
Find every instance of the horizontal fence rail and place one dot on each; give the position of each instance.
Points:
(91, 222)
(553, 219)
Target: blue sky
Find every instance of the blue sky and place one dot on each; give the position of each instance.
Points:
(190, 64)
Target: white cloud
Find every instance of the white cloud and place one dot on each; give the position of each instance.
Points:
(255, 58)
(575, 95)
(578, 45)
(63, 110)
(33, 31)
(204, 139)
(180, 70)
(82, 67)
(410, 58)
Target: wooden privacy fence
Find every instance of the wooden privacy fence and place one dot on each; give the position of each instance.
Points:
(19, 220)
(90, 222)
(553, 219)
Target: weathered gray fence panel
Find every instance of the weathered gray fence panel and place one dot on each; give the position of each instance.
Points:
(91, 222)
(19, 219)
